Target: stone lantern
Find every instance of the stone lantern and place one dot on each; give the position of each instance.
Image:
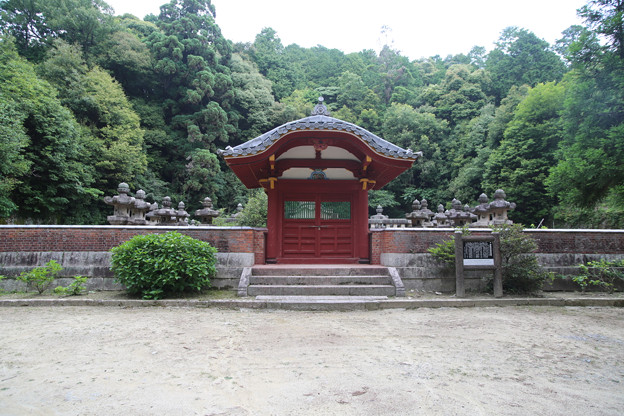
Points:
(166, 215)
(140, 209)
(421, 215)
(378, 220)
(151, 216)
(123, 205)
(207, 213)
(458, 216)
(181, 215)
(483, 212)
(499, 208)
(233, 217)
(440, 219)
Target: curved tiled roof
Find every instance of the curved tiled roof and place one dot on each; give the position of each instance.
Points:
(318, 122)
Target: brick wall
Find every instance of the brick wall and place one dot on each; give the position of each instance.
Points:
(252, 240)
(103, 238)
(413, 241)
(579, 241)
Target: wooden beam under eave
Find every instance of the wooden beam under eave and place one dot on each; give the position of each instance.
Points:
(351, 165)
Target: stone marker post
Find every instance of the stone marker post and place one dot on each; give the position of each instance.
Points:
(460, 289)
(498, 267)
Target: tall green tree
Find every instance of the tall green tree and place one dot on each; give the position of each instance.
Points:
(590, 166)
(253, 102)
(35, 24)
(520, 58)
(115, 145)
(13, 142)
(191, 58)
(57, 184)
(268, 52)
(521, 164)
(421, 131)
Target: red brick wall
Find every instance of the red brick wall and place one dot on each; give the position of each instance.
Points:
(548, 241)
(579, 241)
(68, 238)
(249, 240)
(259, 244)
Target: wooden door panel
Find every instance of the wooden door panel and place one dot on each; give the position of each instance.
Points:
(336, 241)
(299, 240)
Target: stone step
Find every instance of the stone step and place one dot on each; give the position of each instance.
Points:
(320, 280)
(323, 303)
(321, 299)
(315, 270)
(321, 290)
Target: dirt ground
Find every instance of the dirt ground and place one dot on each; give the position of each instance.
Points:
(184, 361)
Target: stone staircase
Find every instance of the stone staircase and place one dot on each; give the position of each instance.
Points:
(320, 281)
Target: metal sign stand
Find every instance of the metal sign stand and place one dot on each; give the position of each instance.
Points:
(477, 253)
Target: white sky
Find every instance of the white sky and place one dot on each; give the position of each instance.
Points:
(419, 28)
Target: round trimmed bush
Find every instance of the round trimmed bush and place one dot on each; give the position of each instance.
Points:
(158, 265)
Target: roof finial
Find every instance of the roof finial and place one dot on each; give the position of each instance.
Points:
(320, 109)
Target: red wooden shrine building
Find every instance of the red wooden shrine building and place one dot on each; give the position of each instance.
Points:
(317, 172)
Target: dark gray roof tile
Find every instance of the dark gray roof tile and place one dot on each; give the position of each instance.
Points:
(318, 122)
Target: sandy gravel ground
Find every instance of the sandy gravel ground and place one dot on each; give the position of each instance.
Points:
(183, 361)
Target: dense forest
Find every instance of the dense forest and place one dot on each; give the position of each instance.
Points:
(89, 99)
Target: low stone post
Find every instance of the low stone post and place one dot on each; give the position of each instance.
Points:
(498, 264)
(460, 289)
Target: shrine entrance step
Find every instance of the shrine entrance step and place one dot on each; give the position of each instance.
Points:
(318, 280)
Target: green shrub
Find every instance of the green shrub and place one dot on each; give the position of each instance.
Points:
(521, 271)
(75, 288)
(158, 265)
(601, 273)
(444, 251)
(40, 278)
(254, 214)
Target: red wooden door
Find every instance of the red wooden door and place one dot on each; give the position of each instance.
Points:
(317, 228)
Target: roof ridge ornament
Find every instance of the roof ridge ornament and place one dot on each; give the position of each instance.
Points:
(320, 109)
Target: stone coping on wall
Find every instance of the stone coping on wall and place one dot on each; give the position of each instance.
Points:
(526, 230)
(213, 227)
(139, 227)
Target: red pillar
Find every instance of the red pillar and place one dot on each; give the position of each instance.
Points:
(273, 225)
(361, 224)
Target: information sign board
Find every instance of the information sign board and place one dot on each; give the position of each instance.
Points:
(478, 253)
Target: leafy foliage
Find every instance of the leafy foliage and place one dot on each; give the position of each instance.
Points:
(601, 273)
(158, 265)
(444, 251)
(520, 165)
(89, 99)
(254, 214)
(521, 271)
(75, 288)
(40, 278)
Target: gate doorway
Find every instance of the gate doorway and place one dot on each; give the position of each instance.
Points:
(317, 227)
(317, 172)
(317, 222)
